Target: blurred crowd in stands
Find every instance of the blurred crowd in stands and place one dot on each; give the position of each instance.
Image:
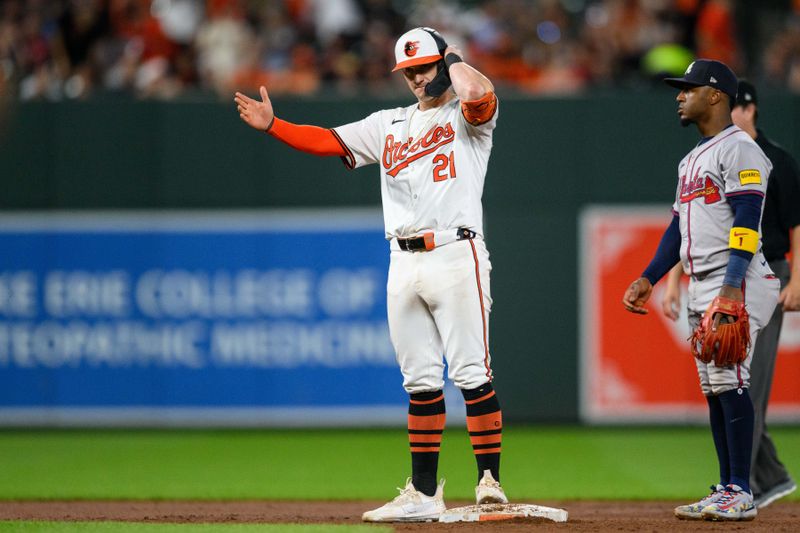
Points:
(68, 49)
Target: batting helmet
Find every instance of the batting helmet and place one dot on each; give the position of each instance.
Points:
(418, 47)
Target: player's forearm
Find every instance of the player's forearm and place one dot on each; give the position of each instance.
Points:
(744, 236)
(310, 139)
(674, 277)
(468, 83)
(667, 255)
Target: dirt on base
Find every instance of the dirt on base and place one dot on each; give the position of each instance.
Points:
(583, 515)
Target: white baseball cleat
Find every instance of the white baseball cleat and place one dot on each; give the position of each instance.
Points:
(489, 490)
(410, 506)
(693, 511)
(735, 504)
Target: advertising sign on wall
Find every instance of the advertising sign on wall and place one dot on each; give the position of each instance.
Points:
(638, 368)
(182, 318)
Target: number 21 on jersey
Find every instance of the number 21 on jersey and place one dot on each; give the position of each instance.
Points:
(440, 167)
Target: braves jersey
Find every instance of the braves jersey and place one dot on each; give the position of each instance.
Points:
(433, 164)
(726, 165)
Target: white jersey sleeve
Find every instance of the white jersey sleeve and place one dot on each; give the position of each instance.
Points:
(362, 140)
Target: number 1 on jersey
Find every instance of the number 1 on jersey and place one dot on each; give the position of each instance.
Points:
(440, 163)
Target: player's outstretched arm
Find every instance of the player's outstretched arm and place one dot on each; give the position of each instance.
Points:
(468, 83)
(671, 302)
(637, 295)
(258, 115)
(310, 139)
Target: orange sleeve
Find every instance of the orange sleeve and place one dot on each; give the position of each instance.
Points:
(310, 139)
(480, 111)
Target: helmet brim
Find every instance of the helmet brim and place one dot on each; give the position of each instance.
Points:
(682, 83)
(416, 61)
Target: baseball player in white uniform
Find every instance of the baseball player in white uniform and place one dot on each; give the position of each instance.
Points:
(432, 157)
(715, 233)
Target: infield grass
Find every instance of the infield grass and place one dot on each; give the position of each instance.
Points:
(539, 463)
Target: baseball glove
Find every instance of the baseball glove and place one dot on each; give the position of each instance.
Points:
(729, 342)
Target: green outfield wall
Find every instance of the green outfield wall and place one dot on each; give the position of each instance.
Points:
(551, 157)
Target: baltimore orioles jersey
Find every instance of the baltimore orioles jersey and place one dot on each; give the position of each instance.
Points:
(724, 166)
(433, 165)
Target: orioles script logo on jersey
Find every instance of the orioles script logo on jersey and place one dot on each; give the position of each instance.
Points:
(398, 155)
(699, 187)
(411, 48)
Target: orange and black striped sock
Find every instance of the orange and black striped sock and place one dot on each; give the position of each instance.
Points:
(485, 426)
(426, 418)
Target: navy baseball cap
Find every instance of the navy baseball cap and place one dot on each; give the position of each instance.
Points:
(708, 72)
(746, 93)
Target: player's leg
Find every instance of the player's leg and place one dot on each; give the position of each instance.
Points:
(731, 385)
(785, 486)
(419, 353)
(769, 478)
(731, 414)
(716, 419)
(485, 427)
(460, 301)
(700, 296)
(716, 415)
(761, 370)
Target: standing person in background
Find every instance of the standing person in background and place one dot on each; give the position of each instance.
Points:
(433, 157)
(780, 228)
(715, 234)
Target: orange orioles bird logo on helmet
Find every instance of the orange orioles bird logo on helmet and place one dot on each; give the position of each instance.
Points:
(411, 48)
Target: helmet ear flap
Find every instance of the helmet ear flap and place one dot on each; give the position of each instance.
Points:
(441, 82)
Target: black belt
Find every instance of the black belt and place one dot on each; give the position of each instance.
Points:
(426, 241)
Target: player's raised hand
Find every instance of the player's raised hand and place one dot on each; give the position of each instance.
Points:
(637, 295)
(258, 115)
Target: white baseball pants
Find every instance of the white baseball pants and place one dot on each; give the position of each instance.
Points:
(438, 304)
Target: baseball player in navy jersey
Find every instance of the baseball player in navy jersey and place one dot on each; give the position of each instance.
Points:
(432, 156)
(715, 234)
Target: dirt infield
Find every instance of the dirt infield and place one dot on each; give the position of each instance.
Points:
(583, 516)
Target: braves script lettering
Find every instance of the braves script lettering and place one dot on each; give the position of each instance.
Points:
(699, 187)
